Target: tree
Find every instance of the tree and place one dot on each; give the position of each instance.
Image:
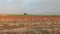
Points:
(25, 13)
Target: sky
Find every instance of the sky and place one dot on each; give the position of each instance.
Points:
(38, 7)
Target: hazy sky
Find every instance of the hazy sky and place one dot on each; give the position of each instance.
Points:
(30, 6)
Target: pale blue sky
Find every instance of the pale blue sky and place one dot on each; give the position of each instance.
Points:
(50, 7)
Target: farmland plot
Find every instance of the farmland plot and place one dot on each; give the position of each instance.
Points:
(29, 24)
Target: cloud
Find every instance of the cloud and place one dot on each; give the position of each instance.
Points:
(30, 6)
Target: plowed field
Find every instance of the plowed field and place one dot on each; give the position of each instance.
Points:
(12, 24)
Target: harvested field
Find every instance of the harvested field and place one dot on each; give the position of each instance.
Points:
(12, 24)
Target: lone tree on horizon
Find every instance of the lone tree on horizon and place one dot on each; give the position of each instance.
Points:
(25, 13)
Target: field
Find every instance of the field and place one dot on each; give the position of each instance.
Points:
(29, 24)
